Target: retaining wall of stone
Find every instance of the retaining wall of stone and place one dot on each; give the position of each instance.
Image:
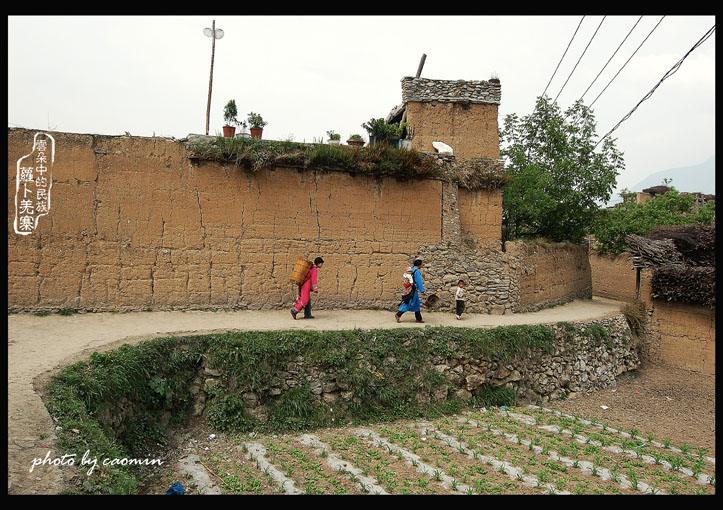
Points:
(580, 361)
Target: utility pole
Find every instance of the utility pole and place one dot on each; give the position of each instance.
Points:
(213, 34)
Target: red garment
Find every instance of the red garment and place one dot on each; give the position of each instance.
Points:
(306, 288)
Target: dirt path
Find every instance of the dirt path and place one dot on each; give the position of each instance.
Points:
(37, 345)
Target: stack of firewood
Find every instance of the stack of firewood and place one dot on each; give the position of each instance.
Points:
(682, 258)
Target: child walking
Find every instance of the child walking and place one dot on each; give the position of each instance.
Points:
(461, 296)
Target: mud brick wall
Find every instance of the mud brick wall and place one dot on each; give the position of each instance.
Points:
(614, 278)
(683, 335)
(135, 225)
(470, 129)
(678, 334)
(550, 274)
(480, 215)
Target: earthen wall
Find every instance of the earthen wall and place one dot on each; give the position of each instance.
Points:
(470, 129)
(678, 334)
(550, 274)
(136, 225)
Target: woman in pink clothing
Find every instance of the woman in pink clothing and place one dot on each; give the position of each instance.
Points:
(308, 286)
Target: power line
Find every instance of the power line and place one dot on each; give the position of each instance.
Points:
(626, 62)
(534, 133)
(613, 55)
(563, 55)
(578, 60)
(623, 67)
(667, 75)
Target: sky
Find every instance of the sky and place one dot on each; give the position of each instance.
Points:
(306, 75)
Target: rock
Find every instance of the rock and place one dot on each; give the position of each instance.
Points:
(330, 398)
(213, 372)
(193, 139)
(474, 381)
(442, 148)
(463, 394)
(251, 399)
(440, 394)
(514, 376)
(502, 372)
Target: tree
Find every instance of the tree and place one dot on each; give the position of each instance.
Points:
(671, 208)
(557, 176)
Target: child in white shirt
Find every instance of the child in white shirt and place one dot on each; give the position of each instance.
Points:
(460, 296)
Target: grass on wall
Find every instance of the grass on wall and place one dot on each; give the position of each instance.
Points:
(374, 160)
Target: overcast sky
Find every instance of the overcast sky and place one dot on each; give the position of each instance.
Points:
(309, 74)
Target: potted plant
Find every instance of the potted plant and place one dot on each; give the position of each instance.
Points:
(257, 124)
(394, 133)
(356, 140)
(334, 138)
(229, 115)
(243, 133)
(377, 129)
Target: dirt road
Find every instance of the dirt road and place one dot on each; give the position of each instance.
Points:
(37, 345)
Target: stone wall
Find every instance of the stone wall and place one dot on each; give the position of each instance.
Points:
(578, 362)
(523, 277)
(452, 91)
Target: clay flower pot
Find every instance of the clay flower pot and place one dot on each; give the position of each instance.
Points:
(228, 131)
(256, 132)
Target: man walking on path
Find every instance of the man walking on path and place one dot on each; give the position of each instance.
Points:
(308, 286)
(413, 305)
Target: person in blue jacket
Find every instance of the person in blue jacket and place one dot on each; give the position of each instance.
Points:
(413, 305)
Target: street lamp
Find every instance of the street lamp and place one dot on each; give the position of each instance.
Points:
(214, 33)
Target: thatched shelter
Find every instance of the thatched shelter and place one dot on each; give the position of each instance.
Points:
(682, 258)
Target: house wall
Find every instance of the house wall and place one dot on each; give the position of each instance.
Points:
(551, 274)
(470, 129)
(683, 335)
(614, 278)
(134, 224)
(678, 334)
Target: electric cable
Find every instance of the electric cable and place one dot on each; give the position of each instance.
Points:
(626, 62)
(613, 55)
(578, 60)
(667, 75)
(620, 70)
(563, 55)
(534, 134)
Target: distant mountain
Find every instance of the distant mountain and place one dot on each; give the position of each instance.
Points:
(698, 178)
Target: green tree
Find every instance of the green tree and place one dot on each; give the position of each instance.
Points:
(671, 208)
(557, 175)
